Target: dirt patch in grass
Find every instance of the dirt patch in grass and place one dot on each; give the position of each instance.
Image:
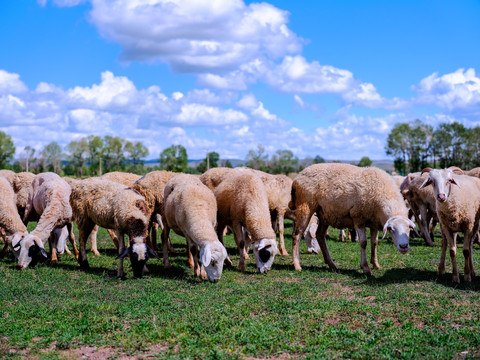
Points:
(94, 353)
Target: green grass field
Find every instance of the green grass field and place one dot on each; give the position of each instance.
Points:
(404, 311)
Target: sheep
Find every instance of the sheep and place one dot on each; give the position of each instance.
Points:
(123, 178)
(10, 220)
(151, 186)
(113, 206)
(474, 172)
(422, 204)
(458, 210)
(190, 209)
(345, 195)
(242, 201)
(49, 198)
(214, 176)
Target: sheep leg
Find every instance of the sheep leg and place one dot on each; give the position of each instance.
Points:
(352, 235)
(93, 241)
(114, 236)
(240, 241)
(220, 229)
(84, 230)
(153, 235)
(71, 237)
(467, 253)
(5, 243)
(362, 238)
(321, 235)
(452, 242)
(341, 237)
(441, 265)
(248, 242)
(302, 219)
(281, 237)
(121, 242)
(53, 251)
(373, 248)
(425, 218)
(165, 235)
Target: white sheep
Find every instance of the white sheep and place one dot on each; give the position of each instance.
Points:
(49, 199)
(10, 220)
(190, 209)
(473, 172)
(458, 210)
(242, 201)
(112, 206)
(346, 196)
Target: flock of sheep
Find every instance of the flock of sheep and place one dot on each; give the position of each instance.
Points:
(251, 203)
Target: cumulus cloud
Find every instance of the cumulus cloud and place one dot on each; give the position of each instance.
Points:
(10, 83)
(459, 90)
(199, 114)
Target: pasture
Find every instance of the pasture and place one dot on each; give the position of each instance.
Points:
(404, 311)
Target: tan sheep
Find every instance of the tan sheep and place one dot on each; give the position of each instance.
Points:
(474, 172)
(242, 201)
(10, 220)
(346, 196)
(127, 179)
(112, 206)
(190, 209)
(458, 210)
(151, 187)
(49, 198)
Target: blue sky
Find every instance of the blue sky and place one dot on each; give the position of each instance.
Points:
(316, 77)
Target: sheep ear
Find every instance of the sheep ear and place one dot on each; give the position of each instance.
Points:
(413, 227)
(452, 180)
(150, 252)
(40, 246)
(43, 252)
(16, 242)
(205, 255)
(385, 228)
(426, 183)
(122, 255)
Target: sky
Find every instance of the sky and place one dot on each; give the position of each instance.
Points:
(328, 78)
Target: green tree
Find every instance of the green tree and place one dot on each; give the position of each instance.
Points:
(210, 161)
(136, 151)
(450, 143)
(7, 149)
(114, 153)
(283, 162)
(473, 147)
(52, 152)
(318, 159)
(78, 152)
(364, 162)
(95, 154)
(174, 158)
(257, 159)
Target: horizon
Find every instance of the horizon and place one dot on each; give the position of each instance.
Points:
(316, 78)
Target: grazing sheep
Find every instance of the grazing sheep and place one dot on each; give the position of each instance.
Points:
(10, 221)
(49, 198)
(127, 179)
(458, 210)
(214, 176)
(242, 201)
(474, 172)
(346, 196)
(422, 204)
(190, 209)
(151, 187)
(112, 206)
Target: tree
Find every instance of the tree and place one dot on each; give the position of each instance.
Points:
(114, 153)
(174, 158)
(78, 151)
(7, 149)
(136, 151)
(365, 161)
(27, 158)
(283, 162)
(95, 154)
(450, 143)
(257, 159)
(52, 152)
(210, 161)
(318, 159)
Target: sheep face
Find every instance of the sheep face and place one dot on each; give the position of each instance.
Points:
(264, 251)
(139, 254)
(399, 227)
(442, 181)
(212, 258)
(30, 250)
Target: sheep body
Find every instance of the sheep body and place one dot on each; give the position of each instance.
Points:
(242, 201)
(346, 196)
(190, 209)
(113, 206)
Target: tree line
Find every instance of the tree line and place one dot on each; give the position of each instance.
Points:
(95, 155)
(416, 145)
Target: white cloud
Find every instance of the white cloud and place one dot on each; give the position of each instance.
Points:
(459, 90)
(195, 36)
(198, 114)
(10, 83)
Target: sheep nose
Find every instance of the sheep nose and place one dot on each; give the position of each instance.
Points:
(441, 197)
(403, 246)
(19, 267)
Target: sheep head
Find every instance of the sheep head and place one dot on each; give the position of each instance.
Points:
(139, 254)
(399, 227)
(442, 181)
(29, 249)
(264, 251)
(212, 257)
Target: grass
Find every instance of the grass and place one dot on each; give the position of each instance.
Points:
(405, 310)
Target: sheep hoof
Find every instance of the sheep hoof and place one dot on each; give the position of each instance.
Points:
(367, 271)
(247, 257)
(84, 265)
(297, 267)
(167, 266)
(441, 270)
(241, 267)
(376, 266)
(467, 278)
(228, 262)
(456, 279)
(96, 253)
